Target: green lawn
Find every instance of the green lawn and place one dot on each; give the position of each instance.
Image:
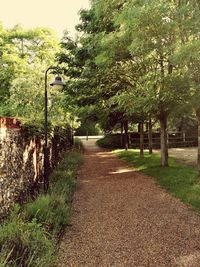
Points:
(178, 179)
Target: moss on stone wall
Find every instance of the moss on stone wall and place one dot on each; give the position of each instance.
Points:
(21, 162)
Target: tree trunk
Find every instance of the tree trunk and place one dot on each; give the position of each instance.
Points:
(122, 136)
(141, 139)
(72, 136)
(150, 136)
(138, 127)
(163, 139)
(198, 151)
(126, 137)
(147, 127)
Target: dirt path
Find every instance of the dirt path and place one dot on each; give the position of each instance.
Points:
(122, 218)
(186, 155)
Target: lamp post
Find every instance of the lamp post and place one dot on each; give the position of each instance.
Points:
(58, 83)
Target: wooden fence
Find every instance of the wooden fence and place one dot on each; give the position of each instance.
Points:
(176, 139)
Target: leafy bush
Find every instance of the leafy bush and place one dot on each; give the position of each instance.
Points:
(110, 141)
(90, 128)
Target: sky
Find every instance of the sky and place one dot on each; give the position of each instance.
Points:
(56, 14)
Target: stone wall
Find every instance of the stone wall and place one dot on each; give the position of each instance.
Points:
(21, 161)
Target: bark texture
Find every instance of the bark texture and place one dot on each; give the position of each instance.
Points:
(126, 136)
(150, 136)
(122, 136)
(141, 126)
(198, 151)
(163, 139)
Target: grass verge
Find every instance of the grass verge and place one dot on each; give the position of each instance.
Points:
(29, 236)
(178, 179)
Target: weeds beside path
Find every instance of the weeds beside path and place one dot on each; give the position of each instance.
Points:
(121, 217)
(28, 236)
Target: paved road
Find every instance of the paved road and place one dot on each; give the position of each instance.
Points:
(122, 218)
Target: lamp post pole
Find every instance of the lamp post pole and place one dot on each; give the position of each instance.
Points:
(58, 81)
(46, 153)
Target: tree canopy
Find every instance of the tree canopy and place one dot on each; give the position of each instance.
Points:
(138, 59)
(135, 61)
(25, 56)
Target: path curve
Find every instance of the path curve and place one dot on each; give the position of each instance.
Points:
(122, 218)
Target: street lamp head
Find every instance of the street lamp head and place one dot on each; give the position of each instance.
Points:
(58, 83)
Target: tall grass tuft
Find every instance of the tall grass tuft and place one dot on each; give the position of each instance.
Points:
(53, 210)
(78, 144)
(28, 237)
(25, 243)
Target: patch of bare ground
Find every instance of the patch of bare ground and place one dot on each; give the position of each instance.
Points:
(123, 218)
(186, 155)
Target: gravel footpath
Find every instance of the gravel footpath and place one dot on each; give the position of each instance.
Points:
(123, 218)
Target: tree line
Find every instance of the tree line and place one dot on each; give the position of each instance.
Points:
(25, 55)
(137, 61)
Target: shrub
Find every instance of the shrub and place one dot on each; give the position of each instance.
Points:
(89, 127)
(110, 141)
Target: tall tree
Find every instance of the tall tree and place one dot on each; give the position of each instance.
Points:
(188, 55)
(147, 31)
(26, 54)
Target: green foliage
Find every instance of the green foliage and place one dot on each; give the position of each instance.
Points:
(53, 210)
(49, 210)
(22, 53)
(179, 179)
(141, 60)
(78, 144)
(110, 141)
(70, 161)
(25, 244)
(28, 237)
(25, 55)
(87, 127)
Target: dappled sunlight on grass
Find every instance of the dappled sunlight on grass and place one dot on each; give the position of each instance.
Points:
(179, 179)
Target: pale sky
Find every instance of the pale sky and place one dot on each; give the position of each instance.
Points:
(56, 14)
